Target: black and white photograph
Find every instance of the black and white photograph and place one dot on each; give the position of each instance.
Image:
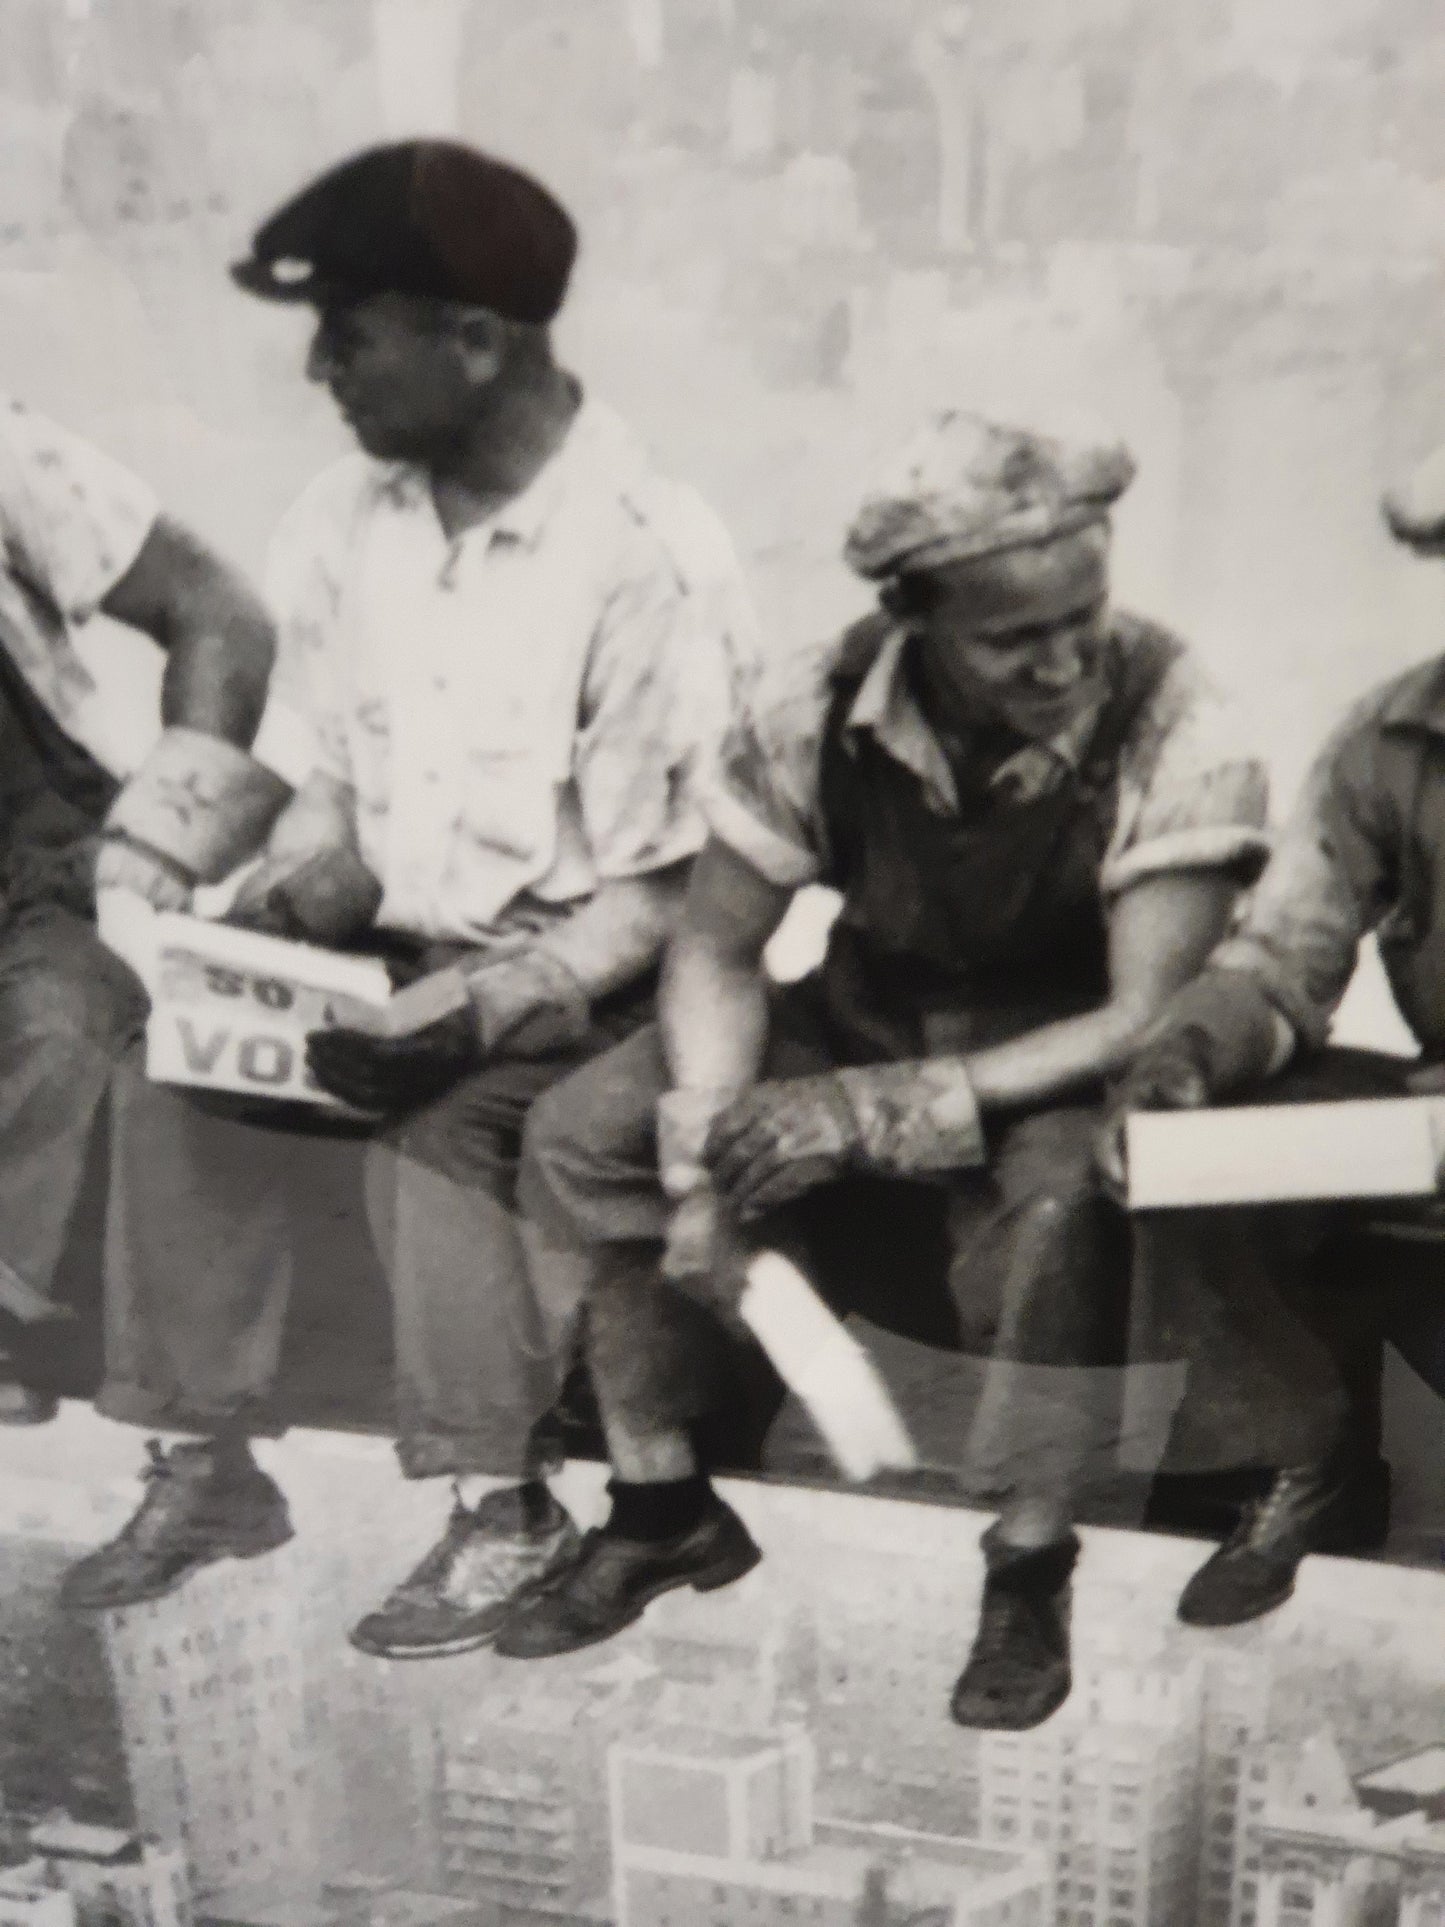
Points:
(722, 963)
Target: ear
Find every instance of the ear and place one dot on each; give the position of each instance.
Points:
(481, 340)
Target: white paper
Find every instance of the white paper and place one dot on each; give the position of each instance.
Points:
(1284, 1153)
(826, 1368)
(231, 1009)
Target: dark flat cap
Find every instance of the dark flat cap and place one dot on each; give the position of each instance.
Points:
(423, 217)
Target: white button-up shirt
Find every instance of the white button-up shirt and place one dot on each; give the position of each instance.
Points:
(72, 521)
(521, 711)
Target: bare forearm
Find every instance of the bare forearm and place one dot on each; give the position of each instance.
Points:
(1058, 1059)
(217, 634)
(618, 934)
(714, 1016)
(215, 677)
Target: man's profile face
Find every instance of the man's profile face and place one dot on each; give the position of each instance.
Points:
(1032, 676)
(398, 372)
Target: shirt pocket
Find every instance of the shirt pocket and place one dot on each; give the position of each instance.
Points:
(508, 802)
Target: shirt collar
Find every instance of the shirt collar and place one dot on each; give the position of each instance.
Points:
(886, 708)
(1418, 699)
(524, 518)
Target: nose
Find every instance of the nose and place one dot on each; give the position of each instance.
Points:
(1060, 662)
(322, 361)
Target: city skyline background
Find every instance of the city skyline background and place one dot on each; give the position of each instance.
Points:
(786, 1739)
(805, 223)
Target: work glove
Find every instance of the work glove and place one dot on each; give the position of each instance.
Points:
(448, 1024)
(389, 1074)
(781, 1139)
(915, 1119)
(1217, 1036)
(123, 864)
(311, 885)
(195, 808)
(329, 897)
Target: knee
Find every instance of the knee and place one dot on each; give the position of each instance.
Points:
(74, 1002)
(556, 1153)
(1048, 1161)
(450, 1138)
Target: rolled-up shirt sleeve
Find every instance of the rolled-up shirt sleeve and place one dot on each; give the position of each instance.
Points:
(1193, 794)
(654, 709)
(72, 519)
(1327, 886)
(763, 797)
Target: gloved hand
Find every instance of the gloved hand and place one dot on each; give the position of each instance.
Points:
(122, 864)
(781, 1139)
(390, 1074)
(1166, 1077)
(328, 897)
(1218, 1035)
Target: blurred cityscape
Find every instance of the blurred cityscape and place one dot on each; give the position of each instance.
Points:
(1220, 224)
(780, 1752)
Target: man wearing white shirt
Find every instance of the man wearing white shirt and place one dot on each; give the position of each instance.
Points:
(97, 725)
(507, 644)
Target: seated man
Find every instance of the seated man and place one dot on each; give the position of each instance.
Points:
(1037, 814)
(1363, 852)
(504, 633)
(78, 729)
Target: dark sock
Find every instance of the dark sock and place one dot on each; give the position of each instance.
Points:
(656, 1512)
(536, 1502)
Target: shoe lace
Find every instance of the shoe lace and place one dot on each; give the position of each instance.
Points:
(437, 1561)
(997, 1644)
(155, 1474)
(1263, 1517)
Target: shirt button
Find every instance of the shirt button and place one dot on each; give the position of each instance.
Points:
(439, 683)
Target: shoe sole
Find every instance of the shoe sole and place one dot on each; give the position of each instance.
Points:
(1051, 1706)
(1205, 1622)
(439, 1649)
(152, 1593)
(473, 1642)
(737, 1569)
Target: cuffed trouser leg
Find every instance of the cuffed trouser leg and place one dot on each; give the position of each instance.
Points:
(484, 1316)
(588, 1185)
(68, 1009)
(199, 1258)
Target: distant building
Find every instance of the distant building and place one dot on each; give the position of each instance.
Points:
(211, 1697)
(27, 1901)
(523, 1796)
(114, 1878)
(1237, 1706)
(1107, 1791)
(1335, 1850)
(719, 1827)
(345, 1903)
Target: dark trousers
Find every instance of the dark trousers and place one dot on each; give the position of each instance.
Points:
(68, 1010)
(1023, 1265)
(206, 1197)
(1283, 1310)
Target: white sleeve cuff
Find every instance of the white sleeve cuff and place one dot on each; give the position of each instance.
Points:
(286, 744)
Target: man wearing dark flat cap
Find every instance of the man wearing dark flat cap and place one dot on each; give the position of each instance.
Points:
(506, 646)
(1363, 853)
(1037, 812)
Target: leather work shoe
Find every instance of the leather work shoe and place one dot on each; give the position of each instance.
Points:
(1308, 1508)
(612, 1580)
(458, 1596)
(1018, 1671)
(202, 1503)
